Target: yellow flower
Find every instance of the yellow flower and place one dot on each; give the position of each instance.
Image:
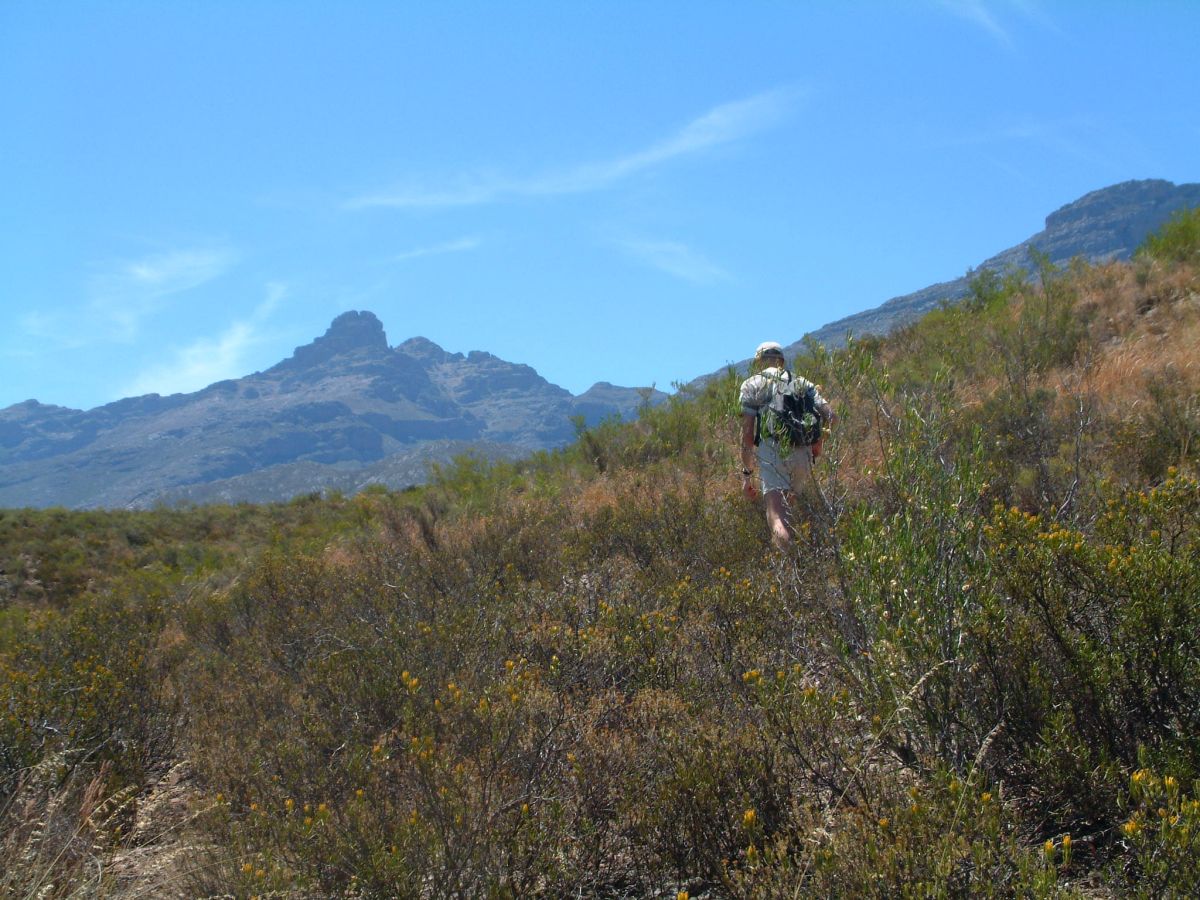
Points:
(986, 797)
(247, 868)
(359, 793)
(885, 822)
(749, 818)
(1131, 827)
(1048, 847)
(682, 895)
(289, 803)
(1066, 843)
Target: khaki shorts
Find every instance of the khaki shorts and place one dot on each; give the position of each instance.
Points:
(783, 473)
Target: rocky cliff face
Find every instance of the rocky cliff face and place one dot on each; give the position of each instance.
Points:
(343, 411)
(1107, 224)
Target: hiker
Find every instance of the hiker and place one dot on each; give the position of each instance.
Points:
(784, 454)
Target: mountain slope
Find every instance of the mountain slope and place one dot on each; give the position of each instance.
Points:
(342, 403)
(1107, 224)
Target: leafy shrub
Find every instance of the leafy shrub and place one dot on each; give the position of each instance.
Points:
(1176, 242)
(587, 672)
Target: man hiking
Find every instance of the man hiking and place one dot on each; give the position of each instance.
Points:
(783, 416)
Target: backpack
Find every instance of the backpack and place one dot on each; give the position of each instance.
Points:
(790, 417)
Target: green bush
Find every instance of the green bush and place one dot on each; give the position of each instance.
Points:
(587, 673)
(1176, 242)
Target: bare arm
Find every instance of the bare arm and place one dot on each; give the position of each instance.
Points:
(748, 422)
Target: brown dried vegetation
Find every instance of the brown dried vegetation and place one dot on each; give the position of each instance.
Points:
(587, 674)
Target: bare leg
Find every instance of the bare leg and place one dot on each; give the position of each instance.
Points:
(783, 506)
(781, 533)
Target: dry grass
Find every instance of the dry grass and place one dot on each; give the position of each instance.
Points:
(606, 556)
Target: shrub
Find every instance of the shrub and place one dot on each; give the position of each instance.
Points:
(1178, 241)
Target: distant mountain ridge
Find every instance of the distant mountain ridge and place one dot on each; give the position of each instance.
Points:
(343, 411)
(347, 410)
(1108, 224)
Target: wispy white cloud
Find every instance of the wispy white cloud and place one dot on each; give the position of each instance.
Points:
(675, 259)
(992, 16)
(207, 359)
(459, 246)
(978, 14)
(721, 125)
(276, 292)
(133, 290)
(170, 273)
(122, 293)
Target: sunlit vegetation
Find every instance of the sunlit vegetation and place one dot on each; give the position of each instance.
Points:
(977, 673)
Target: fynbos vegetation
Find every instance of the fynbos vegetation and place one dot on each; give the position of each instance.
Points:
(587, 674)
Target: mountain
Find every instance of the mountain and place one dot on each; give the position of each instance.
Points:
(348, 410)
(1108, 224)
(343, 411)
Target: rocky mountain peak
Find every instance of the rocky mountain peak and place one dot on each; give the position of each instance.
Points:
(426, 350)
(1101, 226)
(1110, 223)
(351, 332)
(1135, 196)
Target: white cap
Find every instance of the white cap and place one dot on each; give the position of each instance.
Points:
(768, 347)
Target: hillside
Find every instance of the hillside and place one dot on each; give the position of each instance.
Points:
(1104, 225)
(586, 673)
(343, 411)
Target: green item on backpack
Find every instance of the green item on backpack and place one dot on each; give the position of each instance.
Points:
(790, 417)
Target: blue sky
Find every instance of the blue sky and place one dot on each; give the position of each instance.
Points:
(623, 191)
